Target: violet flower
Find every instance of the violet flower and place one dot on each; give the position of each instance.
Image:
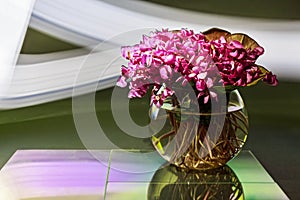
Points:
(167, 59)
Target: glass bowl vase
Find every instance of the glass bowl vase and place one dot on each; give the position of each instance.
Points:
(203, 140)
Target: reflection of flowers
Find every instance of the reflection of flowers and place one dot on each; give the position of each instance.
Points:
(167, 59)
(175, 183)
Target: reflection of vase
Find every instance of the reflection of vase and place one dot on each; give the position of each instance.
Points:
(176, 183)
(203, 140)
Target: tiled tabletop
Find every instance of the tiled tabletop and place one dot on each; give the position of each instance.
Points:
(128, 175)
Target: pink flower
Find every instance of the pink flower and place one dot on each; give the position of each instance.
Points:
(138, 92)
(165, 72)
(201, 85)
(183, 58)
(122, 82)
(159, 94)
(270, 79)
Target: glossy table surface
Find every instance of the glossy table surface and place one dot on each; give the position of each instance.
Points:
(122, 174)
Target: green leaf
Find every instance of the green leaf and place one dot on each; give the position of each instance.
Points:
(244, 39)
(215, 33)
(263, 74)
(221, 89)
(167, 106)
(186, 101)
(158, 145)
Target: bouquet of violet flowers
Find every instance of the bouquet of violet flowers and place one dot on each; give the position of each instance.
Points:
(168, 63)
(167, 59)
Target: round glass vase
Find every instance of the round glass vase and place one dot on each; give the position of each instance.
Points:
(203, 141)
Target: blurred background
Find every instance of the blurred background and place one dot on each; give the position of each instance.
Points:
(274, 114)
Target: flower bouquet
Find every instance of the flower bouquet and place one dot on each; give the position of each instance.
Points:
(193, 79)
